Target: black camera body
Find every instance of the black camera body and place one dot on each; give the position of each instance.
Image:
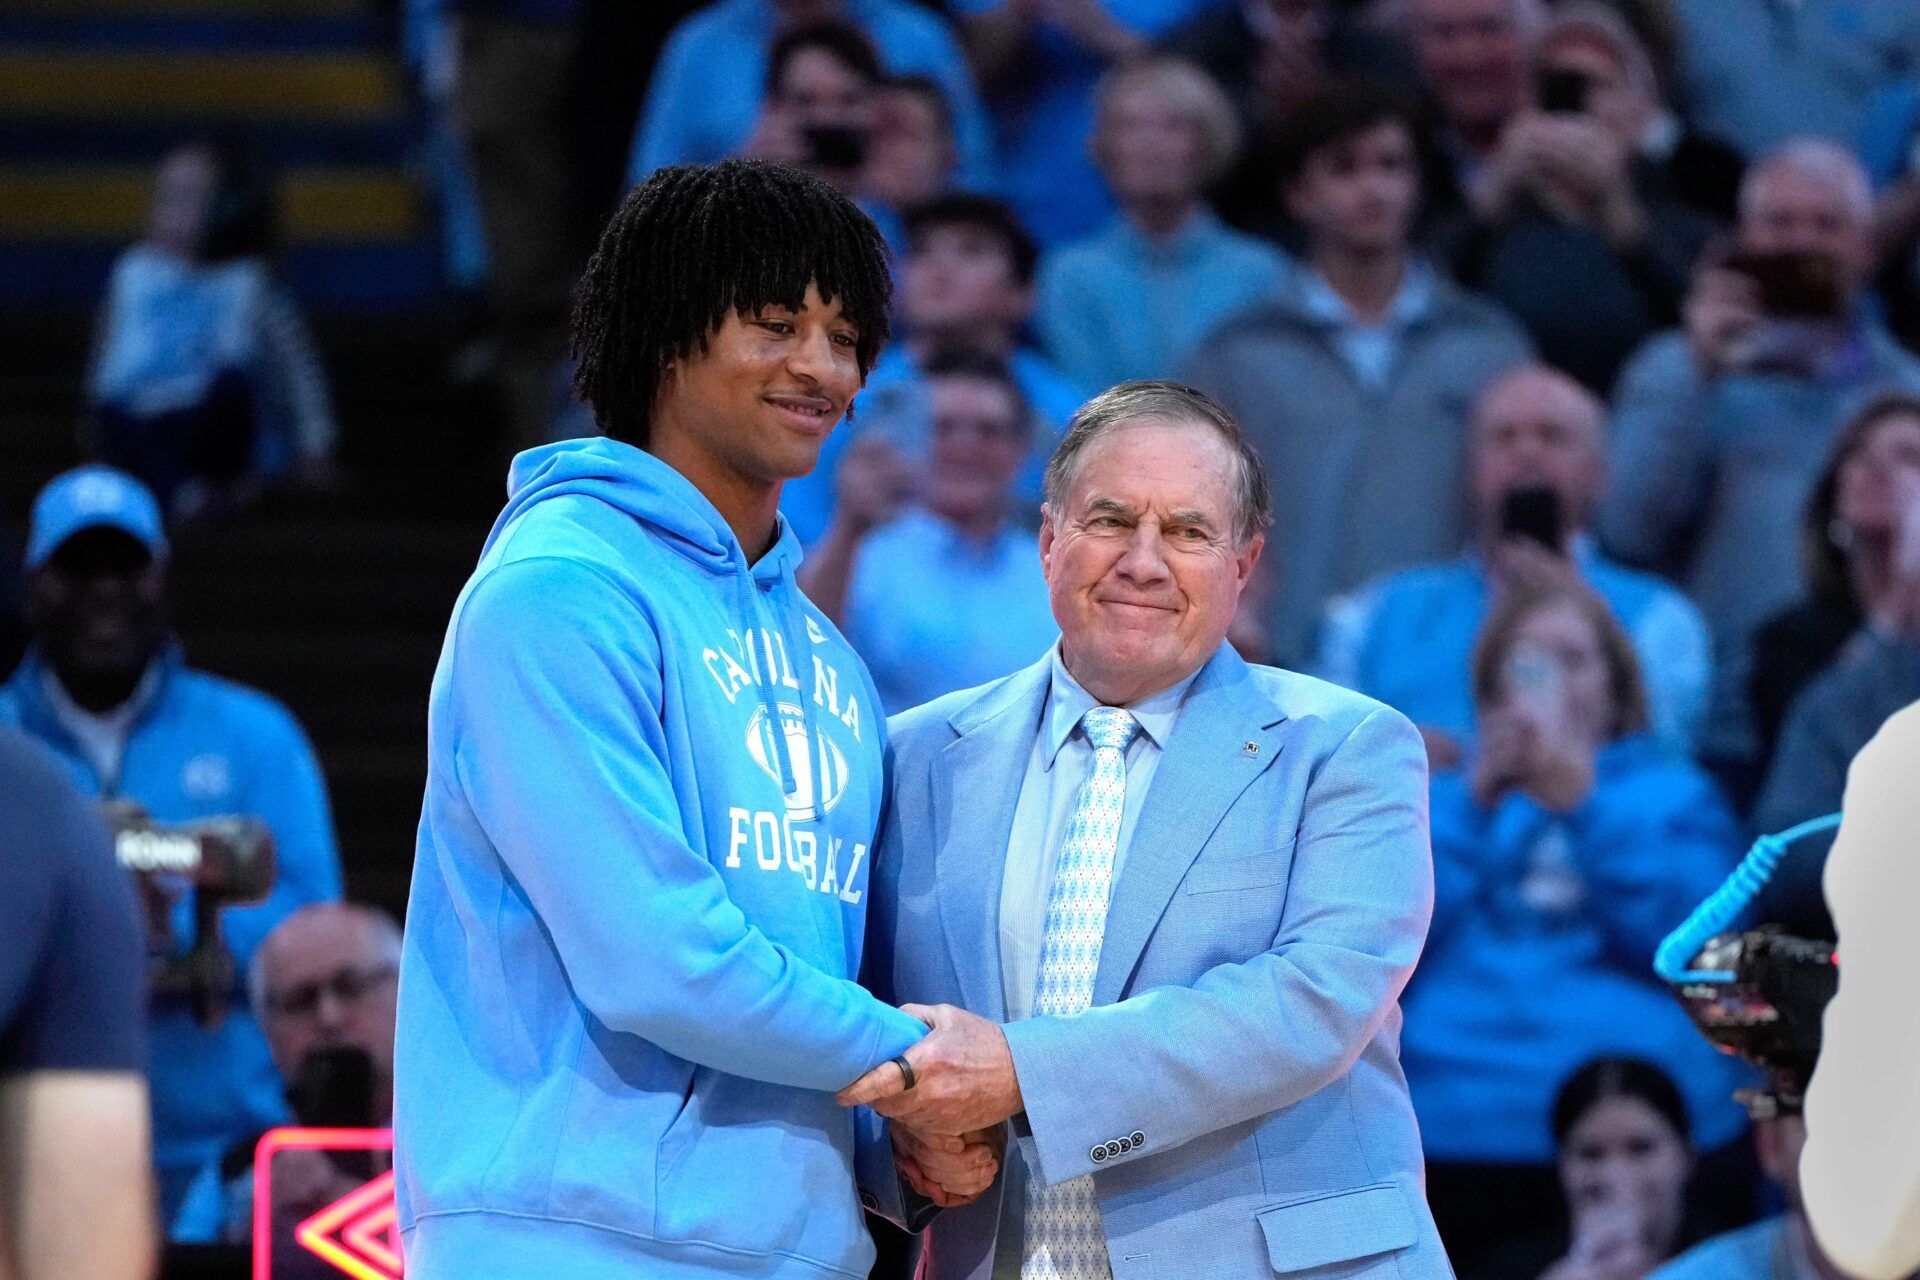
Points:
(1769, 1014)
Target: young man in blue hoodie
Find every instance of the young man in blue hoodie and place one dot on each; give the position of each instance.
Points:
(626, 994)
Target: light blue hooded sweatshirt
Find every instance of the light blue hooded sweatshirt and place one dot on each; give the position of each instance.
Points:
(638, 901)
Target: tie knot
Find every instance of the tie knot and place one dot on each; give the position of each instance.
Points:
(1109, 727)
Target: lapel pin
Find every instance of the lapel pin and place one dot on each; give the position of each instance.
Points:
(1250, 748)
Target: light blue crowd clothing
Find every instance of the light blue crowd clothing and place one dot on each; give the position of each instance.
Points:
(932, 610)
(1122, 304)
(1541, 952)
(1363, 429)
(1043, 116)
(639, 897)
(1755, 73)
(1768, 1250)
(897, 403)
(708, 84)
(1892, 133)
(1407, 639)
(189, 745)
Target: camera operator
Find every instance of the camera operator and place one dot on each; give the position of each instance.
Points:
(104, 685)
(322, 986)
(75, 1188)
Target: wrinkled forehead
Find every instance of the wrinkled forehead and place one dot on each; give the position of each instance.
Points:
(1528, 401)
(1159, 462)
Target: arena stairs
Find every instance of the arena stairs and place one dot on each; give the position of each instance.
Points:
(333, 601)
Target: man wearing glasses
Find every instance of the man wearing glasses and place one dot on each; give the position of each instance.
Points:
(323, 989)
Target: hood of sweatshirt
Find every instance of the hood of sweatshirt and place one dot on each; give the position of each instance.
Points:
(674, 510)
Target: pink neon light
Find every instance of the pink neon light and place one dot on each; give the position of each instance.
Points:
(375, 1237)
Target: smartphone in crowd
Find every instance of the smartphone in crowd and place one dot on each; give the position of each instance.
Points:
(1535, 515)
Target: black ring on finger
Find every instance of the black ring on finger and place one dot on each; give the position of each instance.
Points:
(906, 1072)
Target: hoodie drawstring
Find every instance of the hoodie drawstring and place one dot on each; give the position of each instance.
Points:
(800, 652)
(757, 632)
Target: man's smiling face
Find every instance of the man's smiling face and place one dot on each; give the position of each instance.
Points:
(1143, 559)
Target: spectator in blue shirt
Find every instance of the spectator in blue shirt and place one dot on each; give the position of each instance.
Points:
(1039, 64)
(1563, 853)
(1354, 380)
(967, 281)
(947, 594)
(1406, 639)
(204, 381)
(1136, 299)
(1723, 426)
(104, 686)
(1758, 73)
(1780, 1247)
(710, 79)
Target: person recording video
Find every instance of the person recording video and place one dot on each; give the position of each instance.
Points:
(823, 91)
(105, 686)
(323, 986)
(1723, 426)
(1563, 850)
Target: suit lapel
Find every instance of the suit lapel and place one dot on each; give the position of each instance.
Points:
(979, 775)
(1202, 771)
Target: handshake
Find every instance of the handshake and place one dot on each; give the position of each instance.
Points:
(949, 1124)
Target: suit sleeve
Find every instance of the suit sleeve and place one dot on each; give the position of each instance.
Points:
(1246, 1039)
(562, 754)
(1860, 1172)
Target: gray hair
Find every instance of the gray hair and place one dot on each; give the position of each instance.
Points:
(380, 926)
(1130, 402)
(1819, 160)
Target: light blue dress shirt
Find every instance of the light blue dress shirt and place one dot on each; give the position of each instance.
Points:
(1368, 349)
(1059, 761)
(931, 611)
(1122, 304)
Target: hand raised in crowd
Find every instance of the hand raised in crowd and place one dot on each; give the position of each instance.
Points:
(949, 1171)
(1721, 309)
(1531, 746)
(875, 482)
(1522, 564)
(963, 1077)
(1573, 166)
(1609, 1243)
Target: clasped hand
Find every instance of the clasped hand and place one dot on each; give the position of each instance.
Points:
(949, 1129)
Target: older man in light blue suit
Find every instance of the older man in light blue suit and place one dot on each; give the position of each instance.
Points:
(1191, 889)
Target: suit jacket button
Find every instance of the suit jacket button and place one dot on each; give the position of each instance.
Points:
(1138, 1138)
(867, 1200)
(1126, 1145)
(1113, 1148)
(1098, 1154)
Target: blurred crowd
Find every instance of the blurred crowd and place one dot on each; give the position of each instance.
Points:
(1580, 344)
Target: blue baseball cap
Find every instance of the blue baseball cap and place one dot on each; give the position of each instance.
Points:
(93, 497)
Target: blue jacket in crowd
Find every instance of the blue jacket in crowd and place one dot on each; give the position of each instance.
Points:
(197, 747)
(654, 776)
(1407, 639)
(1541, 952)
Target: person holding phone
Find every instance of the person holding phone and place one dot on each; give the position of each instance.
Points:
(1536, 466)
(1724, 425)
(1563, 851)
(1567, 227)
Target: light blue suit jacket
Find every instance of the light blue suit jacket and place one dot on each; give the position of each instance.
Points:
(1236, 1090)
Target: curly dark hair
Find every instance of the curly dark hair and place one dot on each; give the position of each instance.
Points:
(694, 243)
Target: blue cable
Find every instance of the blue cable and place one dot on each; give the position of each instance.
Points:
(1724, 905)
